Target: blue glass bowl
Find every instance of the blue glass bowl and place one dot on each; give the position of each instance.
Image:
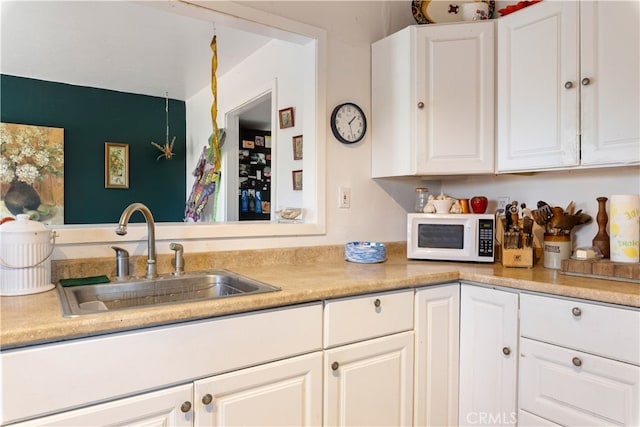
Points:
(365, 252)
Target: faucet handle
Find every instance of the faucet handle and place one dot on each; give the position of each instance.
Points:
(179, 259)
(122, 263)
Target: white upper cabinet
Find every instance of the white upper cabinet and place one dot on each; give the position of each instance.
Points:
(568, 92)
(433, 100)
(610, 98)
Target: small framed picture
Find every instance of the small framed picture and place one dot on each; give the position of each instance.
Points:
(297, 147)
(286, 118)
(116, 165)
(297, 179)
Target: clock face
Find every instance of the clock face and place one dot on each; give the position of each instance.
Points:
(348, 123)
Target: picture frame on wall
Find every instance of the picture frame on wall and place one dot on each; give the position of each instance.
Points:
(286, 118)
(297, 147)
(297, 179)
(116, 165)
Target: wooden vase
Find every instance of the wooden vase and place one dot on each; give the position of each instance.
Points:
(601, 240)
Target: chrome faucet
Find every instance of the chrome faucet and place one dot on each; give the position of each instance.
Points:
(152, 269)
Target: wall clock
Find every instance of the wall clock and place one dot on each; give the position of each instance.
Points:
(348, 123)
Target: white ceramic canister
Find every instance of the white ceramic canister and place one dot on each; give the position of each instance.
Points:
(25, 251)
(555, 249)
(624, 228)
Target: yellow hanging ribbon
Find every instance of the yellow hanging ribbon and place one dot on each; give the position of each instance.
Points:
(214, 146)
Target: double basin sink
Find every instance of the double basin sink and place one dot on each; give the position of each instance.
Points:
(163, 290)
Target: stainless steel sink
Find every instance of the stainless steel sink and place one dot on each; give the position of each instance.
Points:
(163, 290)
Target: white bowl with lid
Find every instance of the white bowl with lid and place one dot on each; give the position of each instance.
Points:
(25, 252)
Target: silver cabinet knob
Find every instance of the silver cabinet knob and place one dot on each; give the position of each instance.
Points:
(576, 361)
(568, 85)
(185, 407)
(377, 302)
(207, 398)
(420, 104)
(335, 366)
(586, 81)
(506, 351)
(576, 311)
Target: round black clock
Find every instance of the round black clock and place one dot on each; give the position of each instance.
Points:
(348, 123)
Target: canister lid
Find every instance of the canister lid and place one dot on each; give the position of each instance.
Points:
(22, 224)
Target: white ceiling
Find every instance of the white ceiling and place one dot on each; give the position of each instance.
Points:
(118, 45)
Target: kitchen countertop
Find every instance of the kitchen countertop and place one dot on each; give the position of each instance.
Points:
(36, 319)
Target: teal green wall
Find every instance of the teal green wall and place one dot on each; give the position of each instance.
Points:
(90, 117)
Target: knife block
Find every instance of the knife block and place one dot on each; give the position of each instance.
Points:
(517, 257)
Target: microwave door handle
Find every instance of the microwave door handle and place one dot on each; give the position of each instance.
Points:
(467, 240)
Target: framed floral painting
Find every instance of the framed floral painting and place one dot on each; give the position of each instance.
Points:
(116, 165)
(32, 172)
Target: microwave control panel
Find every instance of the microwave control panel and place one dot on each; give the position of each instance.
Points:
(485, 237)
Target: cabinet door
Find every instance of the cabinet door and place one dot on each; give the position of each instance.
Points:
(437, 322)
(488, 356)
(170, 407)
(284, 393)
(610, 98)
(370, 383)
(432, 100)
(573, 388)
(455, 83)
(537, 87)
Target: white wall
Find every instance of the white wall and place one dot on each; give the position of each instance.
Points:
(378, 207)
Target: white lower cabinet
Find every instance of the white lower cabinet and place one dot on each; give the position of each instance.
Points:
(124, 368)
(370, 383)
(527, 419)
(579, 362)
(444, 355)
(284, 393)
(368, 360)
(488, 356)
(169, 407)
(437, 336)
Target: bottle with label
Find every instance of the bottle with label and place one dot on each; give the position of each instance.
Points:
(258, 201)
(244, 200)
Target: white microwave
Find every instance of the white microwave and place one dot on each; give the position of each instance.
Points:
(451, 237)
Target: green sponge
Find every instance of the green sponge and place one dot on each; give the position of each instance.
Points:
(93, 280)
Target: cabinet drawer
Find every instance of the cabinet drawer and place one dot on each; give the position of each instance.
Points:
(573, 388)
(603, 330)
(352, 319)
